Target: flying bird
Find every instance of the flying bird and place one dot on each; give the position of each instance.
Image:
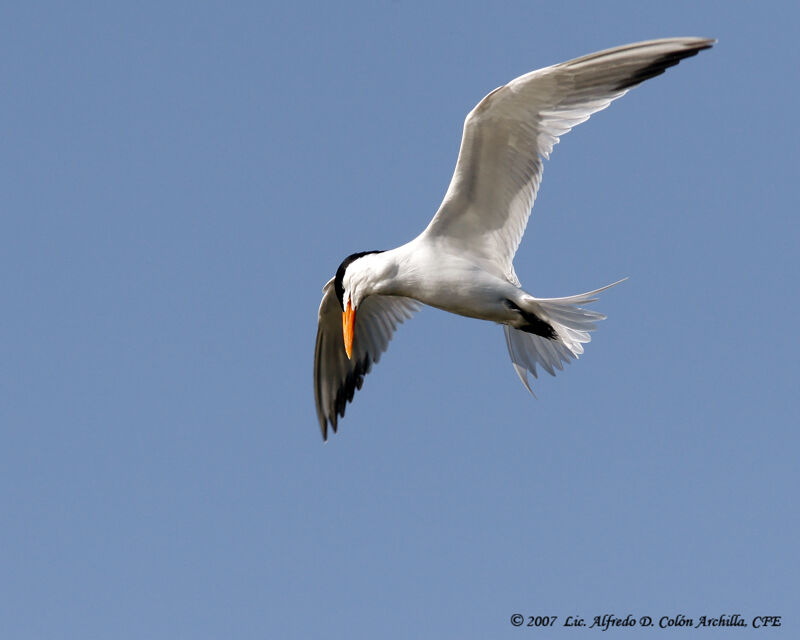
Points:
(462, 262)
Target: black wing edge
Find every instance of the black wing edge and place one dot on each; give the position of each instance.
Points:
(344, 394)
(660, 65)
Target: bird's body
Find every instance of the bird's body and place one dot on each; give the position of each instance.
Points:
(425, 272)
(462, 262)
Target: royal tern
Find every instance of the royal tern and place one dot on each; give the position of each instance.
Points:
(462, 262)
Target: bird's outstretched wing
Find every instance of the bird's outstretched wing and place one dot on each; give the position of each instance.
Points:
(506, 136)
(335, 377)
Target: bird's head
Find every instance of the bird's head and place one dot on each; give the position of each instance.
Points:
(352, 285)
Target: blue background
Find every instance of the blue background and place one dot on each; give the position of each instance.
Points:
(178, 182)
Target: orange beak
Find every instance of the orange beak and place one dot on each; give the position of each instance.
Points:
(348, 328)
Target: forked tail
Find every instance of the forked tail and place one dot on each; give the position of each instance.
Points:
(572, 324)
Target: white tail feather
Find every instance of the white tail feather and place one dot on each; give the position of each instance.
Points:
(572, 324)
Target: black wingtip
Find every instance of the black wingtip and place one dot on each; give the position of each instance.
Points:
(660, 65)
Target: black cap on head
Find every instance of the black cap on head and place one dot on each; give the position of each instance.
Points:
(338, 285)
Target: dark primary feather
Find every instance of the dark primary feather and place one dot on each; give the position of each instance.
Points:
(336, 378)
(659, 66)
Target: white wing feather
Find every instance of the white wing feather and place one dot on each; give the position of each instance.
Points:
(506, 136)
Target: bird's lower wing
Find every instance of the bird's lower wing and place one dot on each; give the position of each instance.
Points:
(336, 377)
(508, 134)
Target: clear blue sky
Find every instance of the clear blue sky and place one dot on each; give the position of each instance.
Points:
(178, 182)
